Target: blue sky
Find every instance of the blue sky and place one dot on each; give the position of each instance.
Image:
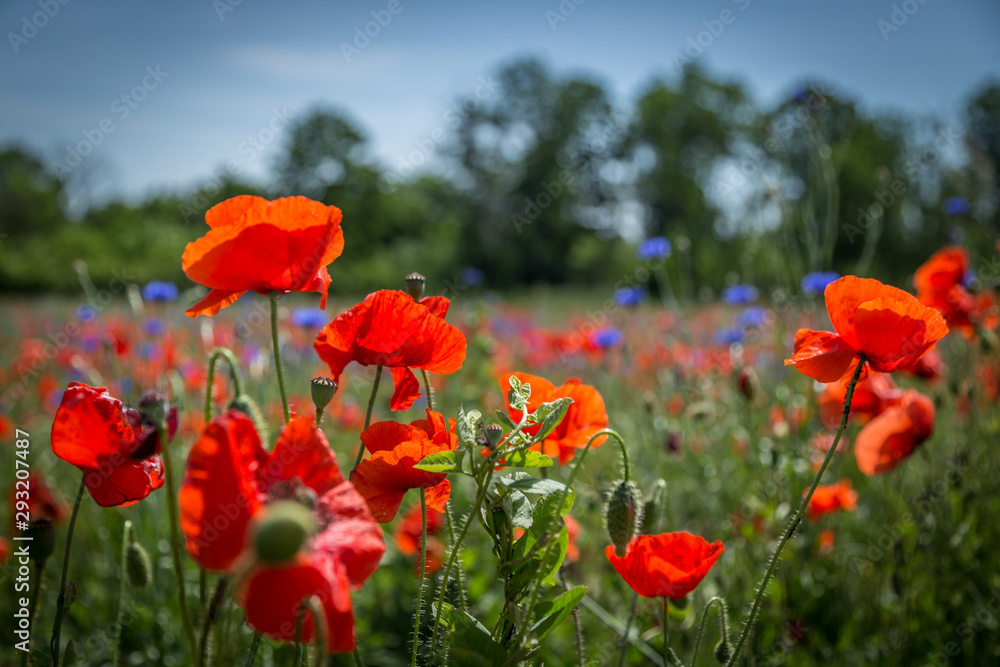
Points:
(230, 70)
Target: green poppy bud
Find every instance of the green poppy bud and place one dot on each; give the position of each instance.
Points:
(43, 539)
(723, 652)
(494, 434)
(624, 515)
(138, 565)
(283, 531)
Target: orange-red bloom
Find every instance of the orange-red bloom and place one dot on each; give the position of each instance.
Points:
(585, 417)
(390, 329)
(228, 482)
(893, 435)
(832, 497)
(889, 326)
(940, 283)
(667, 565)
(255, 244)
(395, 448)
(118, 456)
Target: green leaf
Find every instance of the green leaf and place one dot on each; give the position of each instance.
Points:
(504, 418)
(551, 614)
(466, 426)
(528, 458)
(537, 486)
(550, 414)
(519, 394)
(532, 545)
(469, 642)
(450, 461)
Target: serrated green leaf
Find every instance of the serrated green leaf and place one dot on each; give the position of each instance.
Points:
(551, 614)
(527, 458)
(449, 461)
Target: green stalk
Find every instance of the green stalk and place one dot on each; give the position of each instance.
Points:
(252, 655)
(427, 388)
(61, 602)
(208, 619)
(126, 538)
(277, 353)
(39, 578)
(723, 625)
(628, 628)
(666, 633)
(234, 372)
(368, 415)
(423, 567)
(797, 517)
(175, 544)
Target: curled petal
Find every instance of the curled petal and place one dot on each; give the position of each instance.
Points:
(822, 355)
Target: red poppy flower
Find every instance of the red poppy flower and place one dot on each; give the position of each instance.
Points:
(585, 416)
(573, 533)
(229, 481)
(95, 432)
(390, 329)
(667, 565)
(832, 497)
(409, 530)
(395, 448)
(940, 283)
(893, 435)
(889, 326)
(261, 245)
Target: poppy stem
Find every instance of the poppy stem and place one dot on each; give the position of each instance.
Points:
(423, 568)
(319, 625)
(628, 629)
(234, 372)
(368, 415)
(723, 625)
(252, 655)
(797, 517)
(209, 618)
(536, 589)
(39, 580)
(122, 576)
(427, 388)
(666, 632)
(450, 521)
(175, 548)
(61, 602)
(357, 657)
(277, 353)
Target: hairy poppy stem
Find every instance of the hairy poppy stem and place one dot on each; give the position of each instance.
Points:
(175, 546)
(368, 415)
(427, 388)
(277, 354)
(252, 655)
(723, 625)
(536, 589)
(666, 632)
(357, 658)
(797, 517)
(423, 568)
(234, 372)
(61, 601)
(122, 575)
(209, 618)
(39, 579)
(628, 629)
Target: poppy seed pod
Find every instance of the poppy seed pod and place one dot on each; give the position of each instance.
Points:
(42, 536)
(624, 515)
(138, 565)
(494, 434)
(322, 389)
(723, 651)
(285, 528)
(415, 285)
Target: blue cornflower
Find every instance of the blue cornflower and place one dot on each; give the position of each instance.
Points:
(471, 276)
(606, 338)
(309, 318)
(737, 295)
(628, 297)
(657, 247)
(153, 326)
(159, 291)
(957, 205)
(729, 336)
(85, 312)
(816, 282)
(754, 316)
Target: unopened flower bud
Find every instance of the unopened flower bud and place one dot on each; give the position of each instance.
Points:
(137, 565)
(415, 285)
(624, 515)
(154, 407)
(748, 383)
(323, 390)
(723, 652)
(43, 539)
(284, 529)
(494, 434)
(651, 509)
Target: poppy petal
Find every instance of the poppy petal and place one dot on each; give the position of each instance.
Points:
(844, 295)
(437, 497)
(351, 535)
(822, 355)
(303, 452)
(894, 334)
(214, 301)
(126, 484)
(407, 389)
(91, 426)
